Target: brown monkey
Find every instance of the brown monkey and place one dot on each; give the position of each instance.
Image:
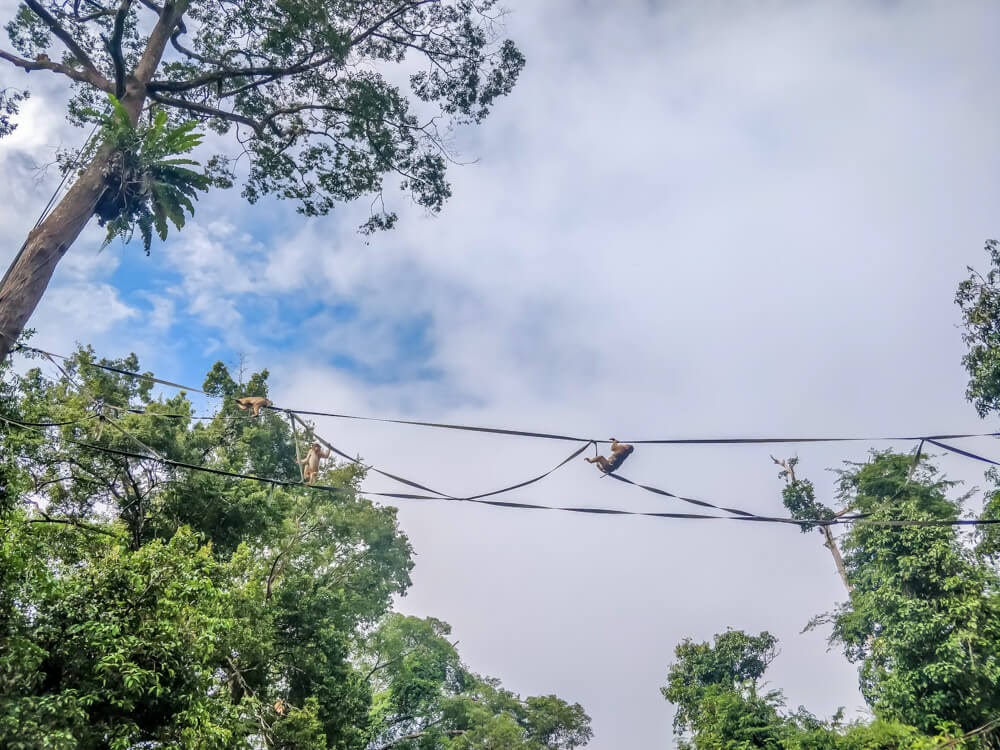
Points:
(311, 462)
(280, 707)
(253, 403)
(619, 452)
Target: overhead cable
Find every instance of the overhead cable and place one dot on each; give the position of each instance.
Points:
(843, 520)
(535, 434)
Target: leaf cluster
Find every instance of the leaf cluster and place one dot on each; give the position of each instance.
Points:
(148, 180)
(978, 297)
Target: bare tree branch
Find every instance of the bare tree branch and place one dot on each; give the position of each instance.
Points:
(42, 62)
(257, 127)
(66, 38)
(115, 47)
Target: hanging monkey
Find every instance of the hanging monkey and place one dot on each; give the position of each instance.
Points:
(253, 403)
(311, 462)
(619, 452)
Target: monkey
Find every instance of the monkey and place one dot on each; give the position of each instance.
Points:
(253, 403)
(280, 707)
(311, 462)
(619, 452)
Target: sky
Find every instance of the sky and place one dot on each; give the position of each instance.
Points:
(689, 219)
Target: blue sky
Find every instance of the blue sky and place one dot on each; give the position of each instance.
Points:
(689, 219)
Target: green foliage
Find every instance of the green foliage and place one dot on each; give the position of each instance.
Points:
(143, 604)
(988, 546)
(332, 99)
(714, 687)
(147, 181)
(715, 690)
(924, 614)
(10, 100)
(979, 299)
(426, 698)
(923, 621)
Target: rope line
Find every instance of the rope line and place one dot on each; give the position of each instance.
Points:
(843, 520)
(934, 438)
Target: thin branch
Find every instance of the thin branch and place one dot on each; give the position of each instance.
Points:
(66, 38)
(295, 109)
(247, 86)
(72, 522)
(272, 72)
(386, 19)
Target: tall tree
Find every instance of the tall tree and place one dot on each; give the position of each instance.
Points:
(716, 689)
(303, 85)
(143, 603)
(923, 617)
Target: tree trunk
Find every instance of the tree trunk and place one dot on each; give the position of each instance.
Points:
(29, 275)
(831, 544)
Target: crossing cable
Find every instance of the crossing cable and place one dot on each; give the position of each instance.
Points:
(843, 520)
(99, 405)
(693, 501)
(961, 452)
(669, 441)
(542, 435)
(438, 495)
(109, 368)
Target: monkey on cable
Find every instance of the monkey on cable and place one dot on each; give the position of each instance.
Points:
(253, 403)
(619, 452)
(311, 462)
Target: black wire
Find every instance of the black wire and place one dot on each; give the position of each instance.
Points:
(532, 434)
(961, 452)
(530, 506)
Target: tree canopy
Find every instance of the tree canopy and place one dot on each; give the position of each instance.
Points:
(143, 604)
(922, 621)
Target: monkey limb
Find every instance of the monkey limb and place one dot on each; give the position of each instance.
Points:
(311, 462)
(619, 452)
(253, 403)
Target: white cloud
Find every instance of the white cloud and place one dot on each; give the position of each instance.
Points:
(689, 219)
(692, 222)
